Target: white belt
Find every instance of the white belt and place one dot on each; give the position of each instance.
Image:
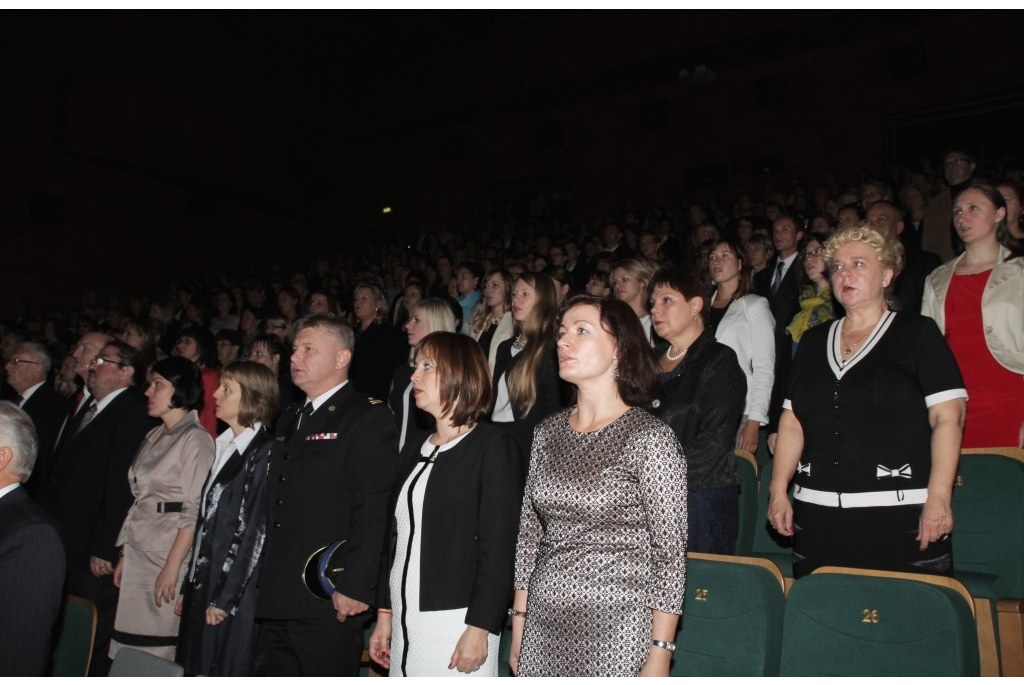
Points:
(851, 500)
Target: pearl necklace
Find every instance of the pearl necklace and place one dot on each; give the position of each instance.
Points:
(669, 357)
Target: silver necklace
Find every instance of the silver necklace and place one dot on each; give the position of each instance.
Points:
(518, 343)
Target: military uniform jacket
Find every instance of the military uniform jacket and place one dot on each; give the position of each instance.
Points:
(328, 480)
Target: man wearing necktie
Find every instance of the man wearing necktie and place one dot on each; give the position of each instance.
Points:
(88, 494)
(330, 475)
(778, 285)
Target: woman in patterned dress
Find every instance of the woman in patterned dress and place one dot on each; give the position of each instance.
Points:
(601, 560)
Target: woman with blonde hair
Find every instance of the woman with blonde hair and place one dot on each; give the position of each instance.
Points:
(429, 316)
(492, 324)
(871, 426)
(630, 279)
(379, 347)
(526, 383)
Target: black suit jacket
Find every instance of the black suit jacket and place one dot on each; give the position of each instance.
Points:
(88, 494)
(784, 306)
(702, 400)
(469, 525)
(47, 408)
(908, 290)
(329, 480)
(31, 585)
(550, 394)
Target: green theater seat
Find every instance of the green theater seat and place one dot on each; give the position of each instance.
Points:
(854, 622)
(732, 620)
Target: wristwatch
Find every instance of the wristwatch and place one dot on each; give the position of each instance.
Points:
(670, 646)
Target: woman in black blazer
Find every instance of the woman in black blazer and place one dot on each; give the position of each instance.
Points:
(217, 635)
(446, 576)
(701, 394)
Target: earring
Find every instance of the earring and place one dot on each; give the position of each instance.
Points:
(615, 371)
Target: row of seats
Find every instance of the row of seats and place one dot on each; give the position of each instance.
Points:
(988, 507)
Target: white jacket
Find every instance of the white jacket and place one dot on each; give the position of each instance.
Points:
(1002, 307)
(749, 329)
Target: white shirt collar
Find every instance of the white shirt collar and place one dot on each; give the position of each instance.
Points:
(101, 404)
(9, 488)
(320, 399)
(28, 393)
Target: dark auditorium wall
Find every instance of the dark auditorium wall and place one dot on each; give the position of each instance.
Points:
(147, 147)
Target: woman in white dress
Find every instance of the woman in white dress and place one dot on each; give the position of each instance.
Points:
(446, 575)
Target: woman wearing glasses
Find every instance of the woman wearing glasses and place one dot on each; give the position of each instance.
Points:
(814, 296)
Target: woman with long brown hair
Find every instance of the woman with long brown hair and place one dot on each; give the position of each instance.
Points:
(525, 372)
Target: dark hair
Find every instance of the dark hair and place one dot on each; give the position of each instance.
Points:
(260, 401)
(745, 287)
(1002, 232)
(129, 356)
(230, 335)
(687, 282)
(206, 348)
(558, 273)
(187, 379)
(463, 375)
(855, 207)
(267, 340)
(471, 267)
(637, 375)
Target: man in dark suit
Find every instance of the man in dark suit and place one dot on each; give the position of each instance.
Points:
(779, 285)
(88, 494)
(27, 371)
(31, 556)
(908, 289)
(330, 476)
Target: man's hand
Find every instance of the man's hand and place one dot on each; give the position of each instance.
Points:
(347, 607)
(100, 567)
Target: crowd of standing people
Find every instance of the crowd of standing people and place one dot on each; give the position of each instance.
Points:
(531, 424)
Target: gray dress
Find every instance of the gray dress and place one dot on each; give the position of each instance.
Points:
(602, 543)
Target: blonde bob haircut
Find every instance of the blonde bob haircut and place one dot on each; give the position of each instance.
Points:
(887, 251)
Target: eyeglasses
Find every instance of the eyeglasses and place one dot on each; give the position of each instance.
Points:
(100, 361)
(816, 252)
(16, 361)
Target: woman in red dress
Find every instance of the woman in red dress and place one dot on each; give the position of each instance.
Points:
(977, 300)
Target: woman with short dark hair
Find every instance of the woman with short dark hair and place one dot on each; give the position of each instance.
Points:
(446, 575)
(601, 558)
(166, 480)
(218, 600)
(701, 395)
(196, 344)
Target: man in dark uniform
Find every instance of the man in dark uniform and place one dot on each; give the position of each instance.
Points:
(331, 472)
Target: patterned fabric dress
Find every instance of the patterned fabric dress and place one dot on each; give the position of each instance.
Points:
(602, 543)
